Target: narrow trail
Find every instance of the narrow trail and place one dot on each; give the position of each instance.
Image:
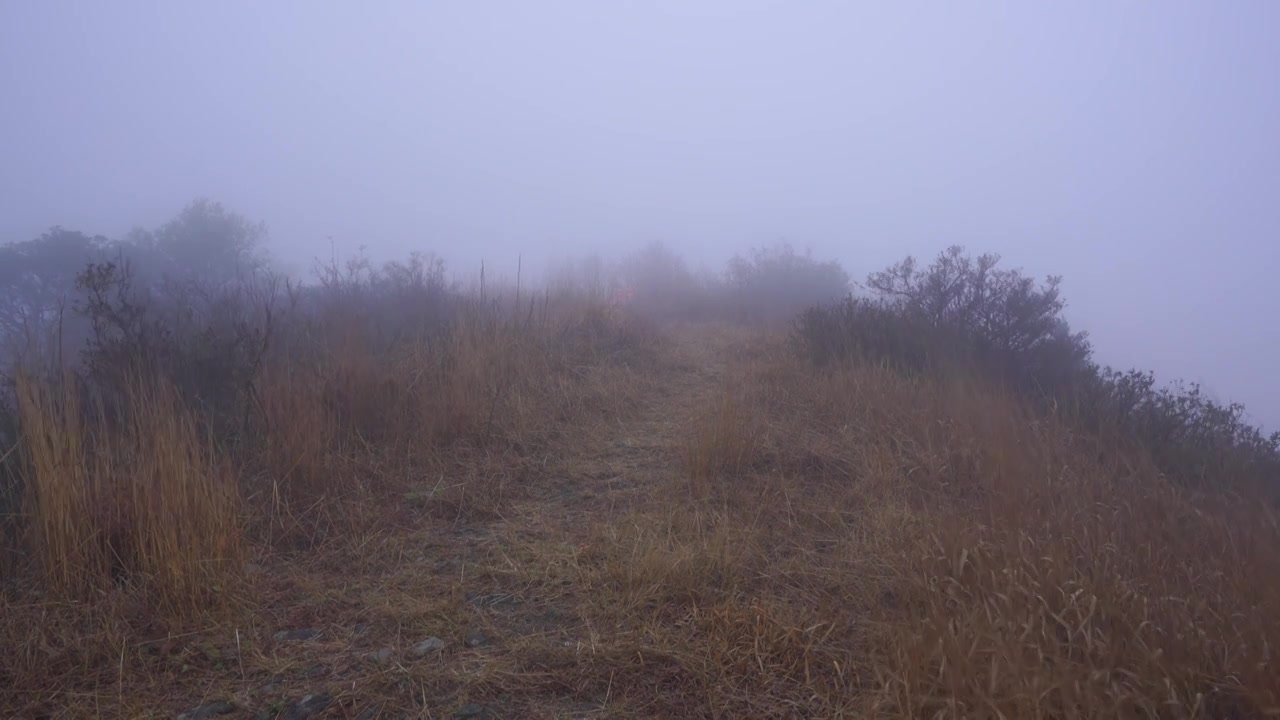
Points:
(511, 594)
(522, 586)
(610, 466)
(613, 467)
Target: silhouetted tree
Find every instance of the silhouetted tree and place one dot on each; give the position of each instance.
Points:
(38, 278)
(205, 243)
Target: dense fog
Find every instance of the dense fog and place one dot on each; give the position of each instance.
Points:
(1130, 149)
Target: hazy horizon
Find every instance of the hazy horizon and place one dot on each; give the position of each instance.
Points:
(1131, 149)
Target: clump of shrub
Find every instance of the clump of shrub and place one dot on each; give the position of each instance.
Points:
(1190, 436)
(767, 285)
(967, 312)
(657, 283)
(776, 283)
(1013, 323)
(862, 329)
(208, 342)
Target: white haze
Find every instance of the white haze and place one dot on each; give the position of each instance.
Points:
(1130, 147)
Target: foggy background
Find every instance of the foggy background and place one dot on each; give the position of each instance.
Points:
(1131, 148)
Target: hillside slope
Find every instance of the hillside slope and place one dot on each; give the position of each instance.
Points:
(723, 530)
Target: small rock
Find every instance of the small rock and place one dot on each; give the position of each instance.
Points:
(308, 706)
(373, 712)
(204, 712)
(471, 710)
(296, 635)
(426, 647)
(476, 638)
(211, 652)
(382, 656)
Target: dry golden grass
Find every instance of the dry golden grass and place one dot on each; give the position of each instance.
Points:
(132, 512)
(927, 548)
(61, 489)
(722, 442)
(137, 498)
(693, 525)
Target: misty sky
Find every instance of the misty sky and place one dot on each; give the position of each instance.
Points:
(1133, 148)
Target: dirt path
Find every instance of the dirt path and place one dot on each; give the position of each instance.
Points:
(508, 595)
(616, 462)
(525, 584)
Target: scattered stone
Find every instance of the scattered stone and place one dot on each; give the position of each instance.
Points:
(426, 647)
(382, 656)
(308, 706)
(211, 652)
(544, 622)
(418, 498)
(205, 712)
(471, 710)
(476, 638)
(297, 635)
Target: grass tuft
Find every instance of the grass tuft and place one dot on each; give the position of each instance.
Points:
(132, 495)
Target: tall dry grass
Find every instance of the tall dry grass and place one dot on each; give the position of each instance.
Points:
(907, 545)
(844, 541)
(140, 519)
(131, 495)
(494, 383)
(127, 480)
(63, 492)
(723, 441)
(349, 419)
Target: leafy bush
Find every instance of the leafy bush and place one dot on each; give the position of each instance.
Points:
(776, 283)
(1190, 436)
(965, 311)
(400, 300)
(208, 343)
(767, 285)
(861, 329)
(657, 282)
(1014, 323)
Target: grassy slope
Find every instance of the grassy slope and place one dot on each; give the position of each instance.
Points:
(724, 532)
